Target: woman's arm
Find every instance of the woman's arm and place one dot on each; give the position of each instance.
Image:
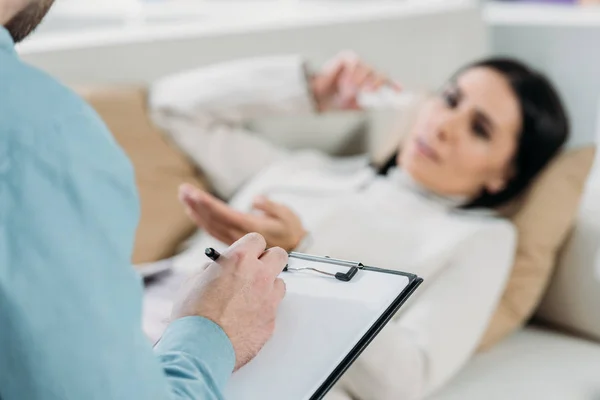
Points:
(428, 344)
(204, 110)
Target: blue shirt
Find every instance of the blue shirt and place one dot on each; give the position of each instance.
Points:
(70, 302)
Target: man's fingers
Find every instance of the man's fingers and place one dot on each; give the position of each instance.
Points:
(251, 245)
(279, 289)
(275, 260)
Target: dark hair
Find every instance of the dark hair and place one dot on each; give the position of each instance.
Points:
(544, 128)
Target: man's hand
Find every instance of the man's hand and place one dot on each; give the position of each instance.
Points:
(240, 293)
(337, 85)
(279, 225)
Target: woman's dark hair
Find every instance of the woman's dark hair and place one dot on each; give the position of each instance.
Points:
(544, 128)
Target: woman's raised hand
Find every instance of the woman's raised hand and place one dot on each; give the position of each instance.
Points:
(339, 83)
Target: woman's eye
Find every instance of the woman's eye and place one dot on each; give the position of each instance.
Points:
(450, 98)
(480, 131)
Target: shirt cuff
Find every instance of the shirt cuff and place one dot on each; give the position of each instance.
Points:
(202, 339)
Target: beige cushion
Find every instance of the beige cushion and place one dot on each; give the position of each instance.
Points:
(159, 168)
(543, 218)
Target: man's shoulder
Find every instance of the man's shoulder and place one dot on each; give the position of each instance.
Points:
(43, 117)
(31, 100)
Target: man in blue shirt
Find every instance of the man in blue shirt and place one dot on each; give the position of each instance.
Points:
(70, 304)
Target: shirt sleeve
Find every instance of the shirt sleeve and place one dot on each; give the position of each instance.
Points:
(204, 111)
(431, 341)
(70, 319)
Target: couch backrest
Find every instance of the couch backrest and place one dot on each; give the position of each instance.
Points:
(573, 298)
(376, 132)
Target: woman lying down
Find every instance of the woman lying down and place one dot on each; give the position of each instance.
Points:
(475, 145)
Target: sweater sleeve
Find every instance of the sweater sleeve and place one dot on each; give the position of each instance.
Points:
(427, 345)
(204, 111)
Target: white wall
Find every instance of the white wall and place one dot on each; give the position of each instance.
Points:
(421, 50)
(570, 55)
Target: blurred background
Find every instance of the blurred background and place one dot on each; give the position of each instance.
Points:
(417, 41)
(119, 47)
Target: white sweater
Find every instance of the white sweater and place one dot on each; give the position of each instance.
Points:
(386, 221)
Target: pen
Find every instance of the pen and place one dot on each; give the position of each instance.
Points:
(212, 253)
(340, 276)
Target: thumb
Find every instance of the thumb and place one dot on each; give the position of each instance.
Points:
(269, 207)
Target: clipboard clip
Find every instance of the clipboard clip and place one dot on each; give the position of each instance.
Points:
(340, 276)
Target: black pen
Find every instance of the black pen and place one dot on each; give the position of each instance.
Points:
(212, 253)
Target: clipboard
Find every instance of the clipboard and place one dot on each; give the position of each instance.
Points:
(330, 315)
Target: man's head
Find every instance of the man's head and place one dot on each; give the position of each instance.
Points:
(21, 17)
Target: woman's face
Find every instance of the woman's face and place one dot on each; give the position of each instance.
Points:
(464, 139)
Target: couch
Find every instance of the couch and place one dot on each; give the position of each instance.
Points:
(556, 356)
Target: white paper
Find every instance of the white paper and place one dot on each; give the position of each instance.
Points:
(319, 322)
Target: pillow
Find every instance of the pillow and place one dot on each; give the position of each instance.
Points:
(159, 169)
(543, 217)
